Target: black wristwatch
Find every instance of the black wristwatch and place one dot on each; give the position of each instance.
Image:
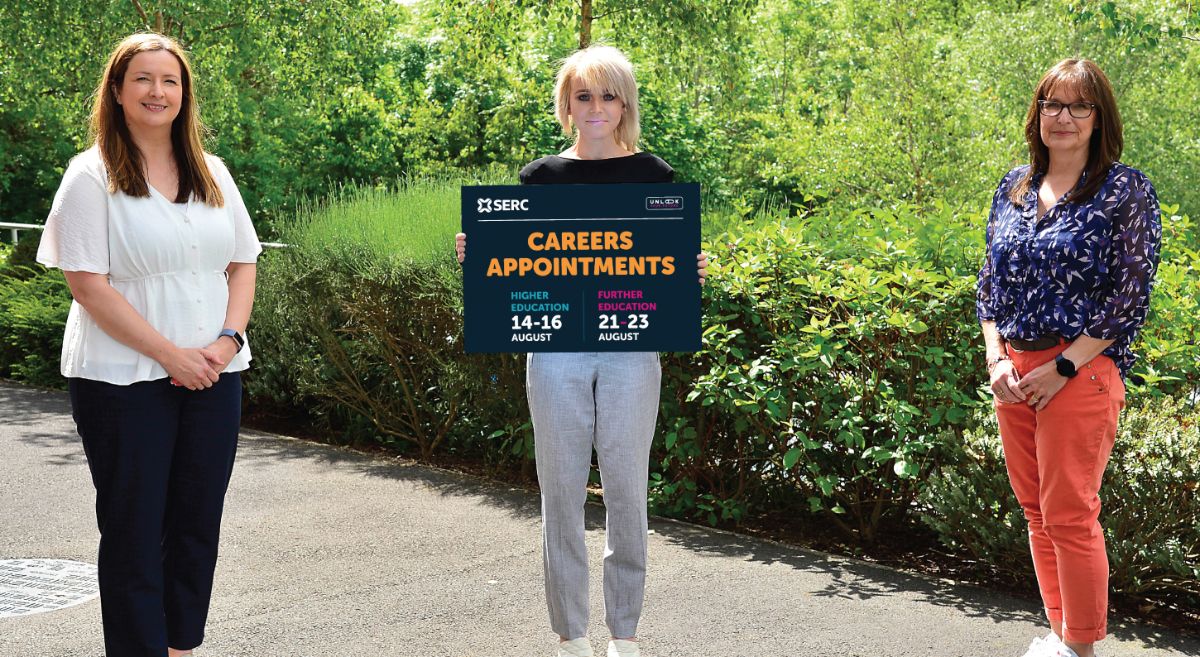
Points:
(237, 337)
(1065, 367)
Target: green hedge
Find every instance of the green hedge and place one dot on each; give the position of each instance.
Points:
(841, 367)
(840, 378)
(373, 351)
(357, 327)
(836, 368)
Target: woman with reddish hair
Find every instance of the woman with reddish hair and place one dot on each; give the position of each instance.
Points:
(1072, 248)
(159, 252)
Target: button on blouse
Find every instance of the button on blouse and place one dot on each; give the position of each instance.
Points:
(1084, 268)
(167, 259)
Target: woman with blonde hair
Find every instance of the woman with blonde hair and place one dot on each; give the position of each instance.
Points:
(159, 251)
(608, 401)
(1072, 248)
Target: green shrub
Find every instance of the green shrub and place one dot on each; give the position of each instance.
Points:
(33, 310)
(284, 352)
(971, 506)
(841, 360)
(389, 341)
(1151, 495)
(833, 374)
(20, 261)
(414, 220)
(1169, 354)
(359, 323)
(376, 348)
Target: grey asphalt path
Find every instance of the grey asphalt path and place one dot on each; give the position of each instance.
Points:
(330, 552)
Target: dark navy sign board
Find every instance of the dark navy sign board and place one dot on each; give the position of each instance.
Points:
(581, 267)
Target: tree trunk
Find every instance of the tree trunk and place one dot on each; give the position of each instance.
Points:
(585, 23)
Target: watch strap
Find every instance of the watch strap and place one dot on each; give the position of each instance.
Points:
(1065, 366)
(237, 337)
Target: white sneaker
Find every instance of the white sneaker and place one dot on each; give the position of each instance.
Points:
(1062, 650)
(1046, 646)
(575, 648)
(623, 648)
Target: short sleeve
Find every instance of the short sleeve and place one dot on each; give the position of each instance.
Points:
(668, 172)
(246, 245)
(529, 172)
(76, 233)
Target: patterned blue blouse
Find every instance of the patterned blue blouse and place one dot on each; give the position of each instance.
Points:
(1083, 268)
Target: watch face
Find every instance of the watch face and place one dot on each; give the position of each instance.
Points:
(237, 337)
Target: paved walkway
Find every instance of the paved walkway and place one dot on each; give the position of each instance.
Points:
(329, 552)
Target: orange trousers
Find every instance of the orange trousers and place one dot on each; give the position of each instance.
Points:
(1056, 459)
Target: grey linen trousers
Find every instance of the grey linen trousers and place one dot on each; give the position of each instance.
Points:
(608, 401)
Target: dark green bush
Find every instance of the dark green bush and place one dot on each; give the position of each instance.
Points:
(1151, 496)
(33, 310)
(20, 260)
(376, 345)
(284, 353)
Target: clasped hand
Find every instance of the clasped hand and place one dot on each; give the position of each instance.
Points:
(1036, 388)
(198, 369)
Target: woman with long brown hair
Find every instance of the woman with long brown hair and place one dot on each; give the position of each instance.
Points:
(1072, 248)
(158, 249)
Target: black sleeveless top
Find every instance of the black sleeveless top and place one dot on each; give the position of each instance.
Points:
(636, 168)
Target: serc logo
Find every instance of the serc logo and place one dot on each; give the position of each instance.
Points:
(489, 205)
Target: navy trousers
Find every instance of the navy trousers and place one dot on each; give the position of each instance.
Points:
(160, 457)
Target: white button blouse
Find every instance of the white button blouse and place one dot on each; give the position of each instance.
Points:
(167, 259)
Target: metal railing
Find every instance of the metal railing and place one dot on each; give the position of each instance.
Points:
(17, 228)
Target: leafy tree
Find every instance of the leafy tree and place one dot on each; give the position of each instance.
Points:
(800, 102)
(271, 76)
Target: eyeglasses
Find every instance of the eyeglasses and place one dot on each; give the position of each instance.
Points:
(1054, 108)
